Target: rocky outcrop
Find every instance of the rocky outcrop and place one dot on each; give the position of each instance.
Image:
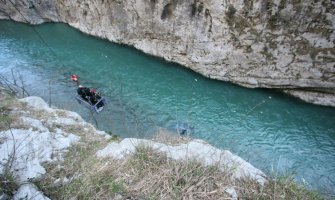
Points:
(285, 44)
(195, 149)
(42, 141)
(34, 136)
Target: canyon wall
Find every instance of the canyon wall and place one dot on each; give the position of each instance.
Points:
(284, 44)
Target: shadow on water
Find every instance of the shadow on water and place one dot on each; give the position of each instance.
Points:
(273, 131)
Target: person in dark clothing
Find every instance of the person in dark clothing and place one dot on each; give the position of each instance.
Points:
(95, 97)
(85, 93)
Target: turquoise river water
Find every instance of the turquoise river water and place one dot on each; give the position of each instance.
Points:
(274, 132)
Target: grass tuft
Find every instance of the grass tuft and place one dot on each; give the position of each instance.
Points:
(8, 185)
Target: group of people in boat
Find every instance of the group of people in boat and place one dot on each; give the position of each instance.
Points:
(89, 95)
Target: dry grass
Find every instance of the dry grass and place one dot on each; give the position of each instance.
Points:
(7, 104)
(78, 168)
(148, 174)
(152, 175)
(144, 175)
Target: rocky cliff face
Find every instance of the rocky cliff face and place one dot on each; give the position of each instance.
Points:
(286, 44)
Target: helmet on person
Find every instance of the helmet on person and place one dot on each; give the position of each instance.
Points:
(74, 78)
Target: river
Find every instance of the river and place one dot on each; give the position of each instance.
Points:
(276, 133)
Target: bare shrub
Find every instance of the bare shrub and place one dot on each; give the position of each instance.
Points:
(15, 85)
(8, 184)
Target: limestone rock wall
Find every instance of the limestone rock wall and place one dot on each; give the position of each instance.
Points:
(286, 44)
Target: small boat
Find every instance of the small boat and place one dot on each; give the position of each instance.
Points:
(94, 107)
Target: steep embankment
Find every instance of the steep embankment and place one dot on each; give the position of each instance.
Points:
(52, 153)
(286, 44)
(34, 139)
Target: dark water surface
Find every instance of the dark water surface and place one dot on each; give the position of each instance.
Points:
(274, 132)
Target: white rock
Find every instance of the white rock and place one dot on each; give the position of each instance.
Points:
(103, 133)
(196, 149)
(73, 115)
(34, 123)
(30, 149)
(29, 191)
(232, 192)
(37, 103)
(62, 121)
